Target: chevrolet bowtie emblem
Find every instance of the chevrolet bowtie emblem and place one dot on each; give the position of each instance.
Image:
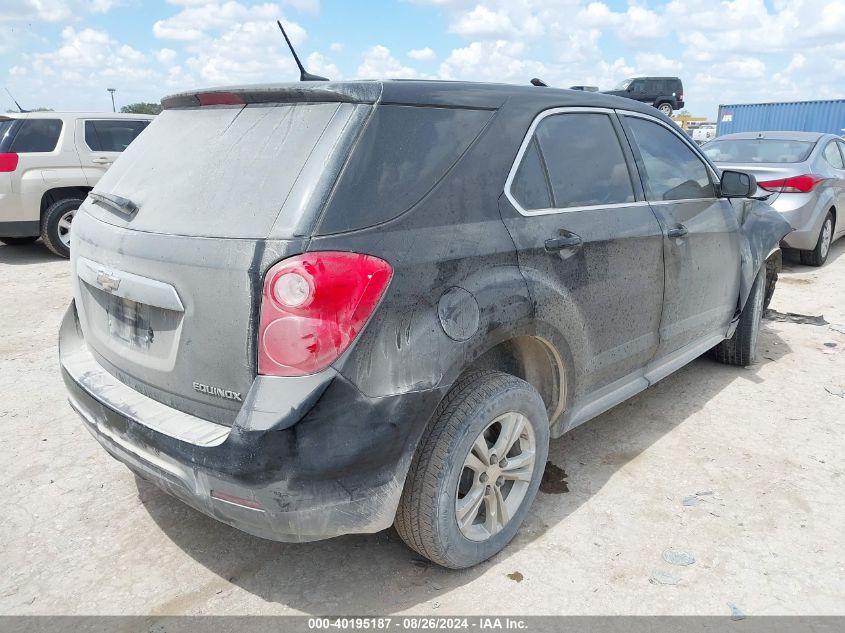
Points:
(107, 281)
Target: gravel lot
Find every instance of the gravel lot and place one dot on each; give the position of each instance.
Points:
(763, 447)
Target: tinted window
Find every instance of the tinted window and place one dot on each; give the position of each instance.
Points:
(530, 186)
(401, 155)
(37, 135)
(832, 155)
(672, 169)
(758, 150)
(6, 134)
(112, 136)
(585, 162)
(654, 86)
(638, 86)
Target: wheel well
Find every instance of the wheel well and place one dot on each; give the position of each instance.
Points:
(62, 193)
(533, 360)
(833, 213)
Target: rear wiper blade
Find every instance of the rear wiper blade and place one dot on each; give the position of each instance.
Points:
(115, 203)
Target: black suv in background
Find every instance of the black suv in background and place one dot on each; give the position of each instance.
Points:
(664, 93)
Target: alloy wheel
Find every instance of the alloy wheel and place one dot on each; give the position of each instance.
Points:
(495, 476)
(827, 234)
(64, 227)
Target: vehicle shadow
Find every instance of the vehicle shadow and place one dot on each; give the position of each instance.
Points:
(35, 253)
(378, 574)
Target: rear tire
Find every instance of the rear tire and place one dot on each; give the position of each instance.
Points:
(450, 475)
(18, 241)
(741, 349)
(665, 108)
(818, 256)
(56, 223)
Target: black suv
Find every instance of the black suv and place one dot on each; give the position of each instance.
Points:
(316, 309)
(664, 93)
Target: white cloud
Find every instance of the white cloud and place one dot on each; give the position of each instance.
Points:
(336, 47)
(422, 54)
(165, 55)
(378, 63)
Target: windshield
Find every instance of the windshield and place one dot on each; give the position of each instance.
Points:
(624, 85)
(758, 150)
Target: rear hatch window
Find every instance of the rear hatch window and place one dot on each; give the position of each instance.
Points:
(31, 135)
(758, 150)
(245, 172)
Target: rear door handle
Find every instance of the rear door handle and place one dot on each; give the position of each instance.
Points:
(568, 240)
(678, 231)
(101, 160)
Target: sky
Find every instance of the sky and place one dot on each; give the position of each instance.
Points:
(64, 54)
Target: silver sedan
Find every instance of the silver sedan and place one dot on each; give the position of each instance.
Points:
(805, 174)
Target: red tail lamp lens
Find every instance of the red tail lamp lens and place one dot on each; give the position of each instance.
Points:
(313, 307)
(8, 162)
(796, 184)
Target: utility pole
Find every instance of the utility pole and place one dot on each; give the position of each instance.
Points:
(112, 90)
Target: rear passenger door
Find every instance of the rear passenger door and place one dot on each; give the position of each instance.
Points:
(100, 141)
(589, 246)
(701, 247)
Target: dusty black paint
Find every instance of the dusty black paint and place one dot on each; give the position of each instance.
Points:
(471, 276)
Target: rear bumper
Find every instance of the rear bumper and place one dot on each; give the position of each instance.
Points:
(805, 213)
(301, 462)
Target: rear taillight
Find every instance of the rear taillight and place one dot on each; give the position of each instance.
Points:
(681, 97)
(796, 184)
(8, 162)
(313, 307)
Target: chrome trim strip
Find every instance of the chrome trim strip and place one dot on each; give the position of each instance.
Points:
(107, 390)
(129, 286)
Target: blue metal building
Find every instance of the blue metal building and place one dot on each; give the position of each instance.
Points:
(796, 116)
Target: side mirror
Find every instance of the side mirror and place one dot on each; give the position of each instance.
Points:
(737, 184)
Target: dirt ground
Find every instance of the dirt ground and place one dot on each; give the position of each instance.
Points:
(741, 469)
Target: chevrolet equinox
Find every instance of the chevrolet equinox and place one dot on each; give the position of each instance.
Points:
(317, 309)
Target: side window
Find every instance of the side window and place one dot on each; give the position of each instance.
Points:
(638, 86)
(832, 155)
(530, 185)
(112, 136)
(654, 87)
(672, 170)
(37, 135)
(584, 163)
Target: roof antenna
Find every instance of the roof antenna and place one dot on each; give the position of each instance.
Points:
(304, 75)
(539, 83)
(20, 109)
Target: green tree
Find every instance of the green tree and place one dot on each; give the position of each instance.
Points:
(142, 108)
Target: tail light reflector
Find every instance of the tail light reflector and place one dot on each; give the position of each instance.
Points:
(8, 162)
(795, 184)
(313, 307)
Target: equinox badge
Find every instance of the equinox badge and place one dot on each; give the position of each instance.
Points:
(217, 391)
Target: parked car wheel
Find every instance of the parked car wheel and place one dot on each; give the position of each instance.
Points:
(56, 223)
(741, 348)
(774, 264)
(16, 241)
(818, 255)
(476, 471)
(665, 108)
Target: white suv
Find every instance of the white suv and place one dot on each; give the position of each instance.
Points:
(49, 161)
